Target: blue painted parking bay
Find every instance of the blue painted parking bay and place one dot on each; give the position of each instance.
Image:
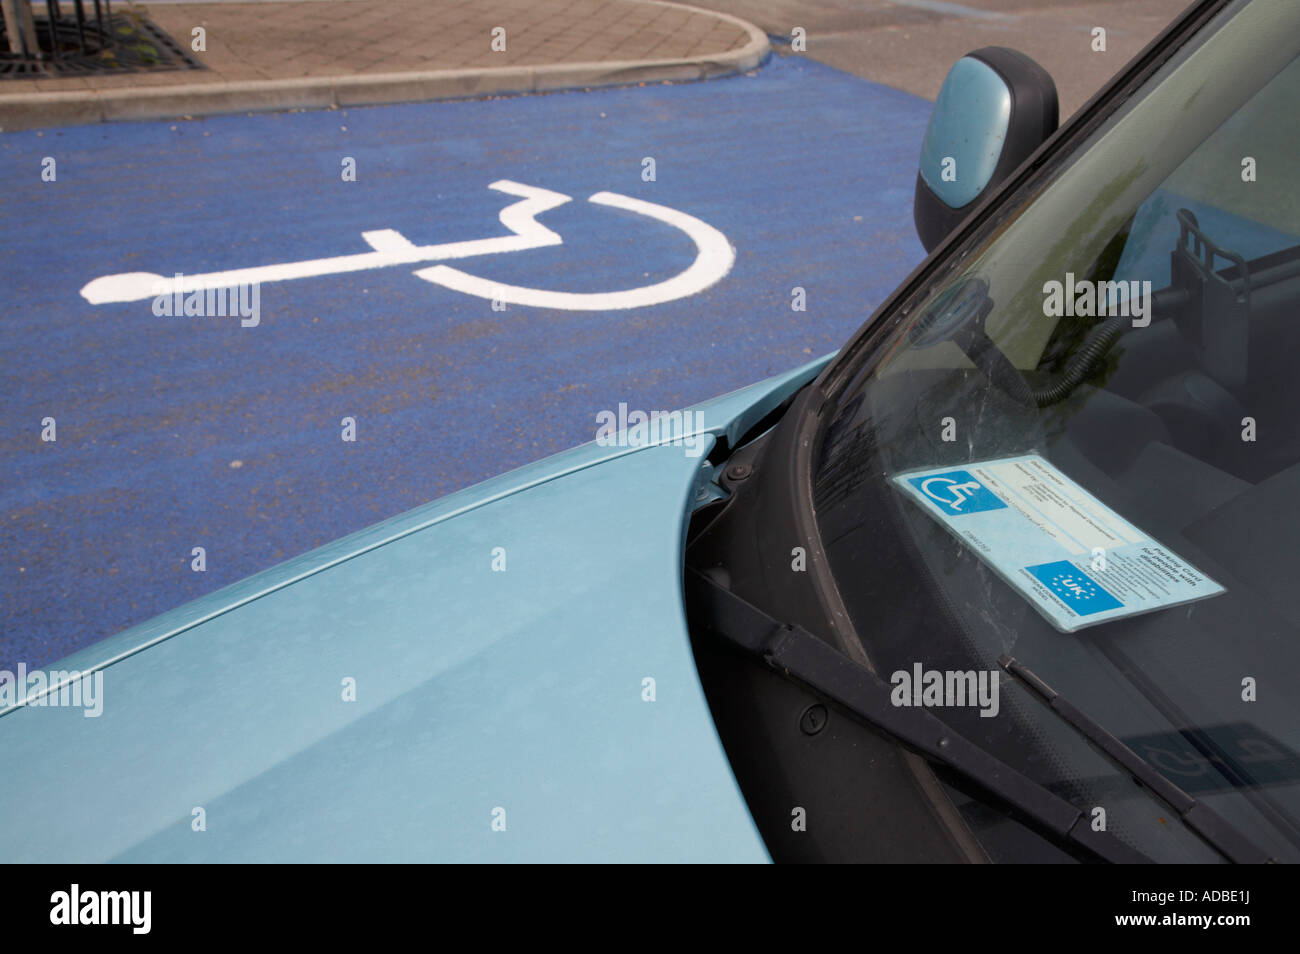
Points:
(175, 431)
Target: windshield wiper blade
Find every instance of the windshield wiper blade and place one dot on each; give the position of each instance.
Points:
(799, 655)
(1212, 827)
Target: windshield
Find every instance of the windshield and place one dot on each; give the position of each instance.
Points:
(1078, 447)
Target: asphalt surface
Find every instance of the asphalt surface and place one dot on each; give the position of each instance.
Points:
(183, 432)
(910, 44)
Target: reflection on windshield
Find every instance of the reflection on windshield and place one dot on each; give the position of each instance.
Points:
(1081, 451)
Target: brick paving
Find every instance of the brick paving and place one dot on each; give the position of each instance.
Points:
(250, 42)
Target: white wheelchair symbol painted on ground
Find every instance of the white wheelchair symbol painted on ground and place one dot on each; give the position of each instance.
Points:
(714, 257)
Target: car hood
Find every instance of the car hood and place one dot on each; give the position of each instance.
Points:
(502, 675)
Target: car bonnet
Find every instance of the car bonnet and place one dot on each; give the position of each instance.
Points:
(502, 675)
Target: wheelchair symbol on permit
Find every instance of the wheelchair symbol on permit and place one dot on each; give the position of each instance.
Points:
(714, 257)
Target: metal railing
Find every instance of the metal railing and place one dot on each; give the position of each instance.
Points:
(29, 43)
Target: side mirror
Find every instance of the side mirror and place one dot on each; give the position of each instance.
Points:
(995, 108)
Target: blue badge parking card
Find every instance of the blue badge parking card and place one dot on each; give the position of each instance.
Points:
(1076, 560)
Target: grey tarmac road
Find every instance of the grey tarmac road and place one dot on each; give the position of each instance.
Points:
(910, 44)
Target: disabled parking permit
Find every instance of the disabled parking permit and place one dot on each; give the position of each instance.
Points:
(1077, 561)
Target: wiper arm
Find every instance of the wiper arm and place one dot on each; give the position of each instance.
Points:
(799, 655)
(1216, 830)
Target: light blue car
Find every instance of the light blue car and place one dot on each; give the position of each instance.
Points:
(1026, 540)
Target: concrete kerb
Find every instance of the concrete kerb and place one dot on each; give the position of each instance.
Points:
(29, 110)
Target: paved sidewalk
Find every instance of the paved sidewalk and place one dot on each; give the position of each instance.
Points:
(910, 44)
(322, 53)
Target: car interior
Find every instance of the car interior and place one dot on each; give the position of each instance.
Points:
(1186, 427)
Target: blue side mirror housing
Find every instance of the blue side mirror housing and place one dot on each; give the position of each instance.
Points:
(995, 108)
